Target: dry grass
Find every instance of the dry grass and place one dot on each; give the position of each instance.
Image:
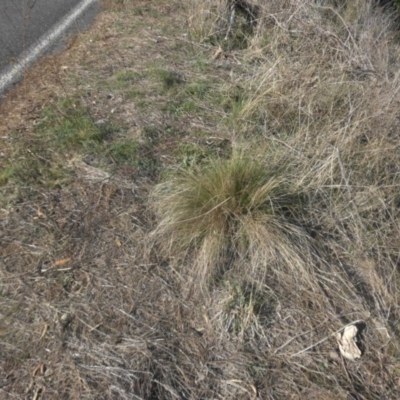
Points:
(238, 210)
(290, 135)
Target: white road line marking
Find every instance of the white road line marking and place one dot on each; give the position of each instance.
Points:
(31, 55)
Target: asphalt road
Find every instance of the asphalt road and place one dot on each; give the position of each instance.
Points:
(24, 22)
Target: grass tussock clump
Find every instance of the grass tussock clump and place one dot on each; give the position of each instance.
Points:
(241, 208)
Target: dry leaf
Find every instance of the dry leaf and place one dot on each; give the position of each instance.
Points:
(39, 214)
(218, 53)
(347, 343)
(62, 262)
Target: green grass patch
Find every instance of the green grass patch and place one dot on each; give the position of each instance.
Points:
(233, 100)
(40, 167)
(168, 79)
(124, 152)
(140, 153)
(138, 95)
(128, 76)
(183, 107)
(6, 174)
(198, 89)
(190, 155)
(71, 125)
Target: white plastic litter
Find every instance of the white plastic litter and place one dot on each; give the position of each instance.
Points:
(347, 342)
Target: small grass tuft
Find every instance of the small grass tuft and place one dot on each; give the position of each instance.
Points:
(235, 209)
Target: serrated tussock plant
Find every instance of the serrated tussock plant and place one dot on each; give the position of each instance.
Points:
(245, 209)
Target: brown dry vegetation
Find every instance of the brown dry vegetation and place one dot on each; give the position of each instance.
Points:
(118, 282)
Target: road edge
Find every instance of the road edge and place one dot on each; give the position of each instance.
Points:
(13, 73)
